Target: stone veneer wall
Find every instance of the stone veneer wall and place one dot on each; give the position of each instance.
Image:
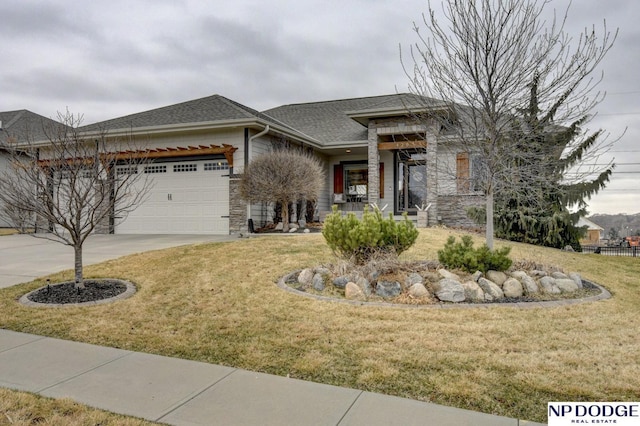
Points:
(452, 209)
(105, 226)
(237, 207)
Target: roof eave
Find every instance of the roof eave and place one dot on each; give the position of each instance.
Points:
(364, 116)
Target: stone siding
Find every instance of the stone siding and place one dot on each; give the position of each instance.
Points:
(105, 226)
(237, 207)
(452, 210)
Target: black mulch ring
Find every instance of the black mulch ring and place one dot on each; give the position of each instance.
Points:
(67, 293)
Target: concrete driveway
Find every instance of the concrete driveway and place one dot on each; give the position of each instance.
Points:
(24, 258)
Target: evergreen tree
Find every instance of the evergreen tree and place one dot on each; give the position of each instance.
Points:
(545, 154)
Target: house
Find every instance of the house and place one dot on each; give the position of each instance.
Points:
(375, 150)
(594, 232)
(14, 126)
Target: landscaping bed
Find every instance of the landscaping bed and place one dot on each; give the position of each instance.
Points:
(217, 303)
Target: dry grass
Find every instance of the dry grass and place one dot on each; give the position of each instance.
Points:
(22, 409)
(218, 303)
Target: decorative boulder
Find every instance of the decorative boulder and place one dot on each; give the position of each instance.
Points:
(512, 288)
(302, 223)
(340, 282)
(322, 270)
(566, 285)
(448, 275)
(497, 277)
(292, 230)
(318, 282)
(305, 277)
(577, 278)
(477, 275)
(364, 285)
(353, 292)
(279, 226)
(388, 289)
(418, 290)
(491, 290)
(448, 290)
(549, 285)
(472, 291)
(538, 273)
(529, 284)
(414, 278)
(559, 275)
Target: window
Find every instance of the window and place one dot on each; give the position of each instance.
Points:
(155, 169)
(470, 170)
(352, 181)
(180, 168)
(220, 165)
(126, 170)
(356, 178)
(411, 184)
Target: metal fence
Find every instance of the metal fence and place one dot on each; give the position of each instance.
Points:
(612, 250)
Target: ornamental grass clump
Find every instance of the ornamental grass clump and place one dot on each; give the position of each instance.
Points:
(463, 256)
(360, 240)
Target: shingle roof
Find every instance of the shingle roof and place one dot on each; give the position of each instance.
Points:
(329, 121)
(24, 125)
(208, 109)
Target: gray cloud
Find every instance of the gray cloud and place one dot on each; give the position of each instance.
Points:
(111, 58)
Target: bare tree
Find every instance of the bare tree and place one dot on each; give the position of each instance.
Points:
(282, 176)
(71, 182)
(482, 62)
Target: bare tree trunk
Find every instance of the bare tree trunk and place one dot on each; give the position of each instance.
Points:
(489, 230)
(77, 248)
(285, 216)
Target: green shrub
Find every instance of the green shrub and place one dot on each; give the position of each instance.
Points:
(359, 240)
(464, 256)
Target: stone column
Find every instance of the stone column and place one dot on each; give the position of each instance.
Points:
(373, 161)
(432, 175)
(294, 212)
(237, 207)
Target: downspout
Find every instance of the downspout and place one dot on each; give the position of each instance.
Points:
(247, 159)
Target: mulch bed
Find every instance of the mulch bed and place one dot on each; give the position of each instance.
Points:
(66, 292)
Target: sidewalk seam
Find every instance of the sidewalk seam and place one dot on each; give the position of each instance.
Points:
(194, 395)
(129, 353)
(350, 407)
(23, 344)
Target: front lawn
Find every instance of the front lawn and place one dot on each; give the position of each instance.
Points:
(218, 303)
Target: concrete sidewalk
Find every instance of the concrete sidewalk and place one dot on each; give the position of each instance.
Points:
(181, 392)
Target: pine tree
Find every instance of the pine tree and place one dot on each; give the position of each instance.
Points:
(545, 156)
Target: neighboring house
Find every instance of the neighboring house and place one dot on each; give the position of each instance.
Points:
(15, 126)
(594, 232)
(374, 149)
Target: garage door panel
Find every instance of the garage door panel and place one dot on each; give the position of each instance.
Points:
(182, 202)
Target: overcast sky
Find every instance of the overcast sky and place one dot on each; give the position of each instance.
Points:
(106, 59)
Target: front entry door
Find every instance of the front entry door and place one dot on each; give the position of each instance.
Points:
(411, 172)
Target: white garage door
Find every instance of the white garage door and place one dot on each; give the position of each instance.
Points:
(186, 198)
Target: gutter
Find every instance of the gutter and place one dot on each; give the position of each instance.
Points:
(247, 144)
(247, 154)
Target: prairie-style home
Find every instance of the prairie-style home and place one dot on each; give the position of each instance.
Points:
(375, 150)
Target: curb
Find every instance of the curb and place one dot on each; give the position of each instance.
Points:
(130, 291)
(603, 295)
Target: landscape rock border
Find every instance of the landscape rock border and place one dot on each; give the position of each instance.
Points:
(603, 295)
(130, 291)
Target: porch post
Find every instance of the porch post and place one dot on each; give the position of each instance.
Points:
(373, 161)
